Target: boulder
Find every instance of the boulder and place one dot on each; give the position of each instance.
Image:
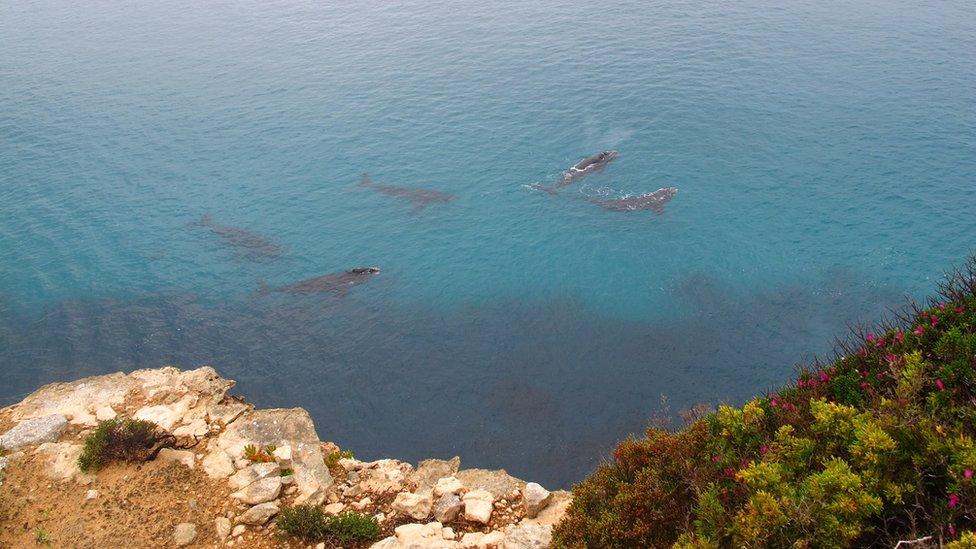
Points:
(196, 428)
(334, 508)
(283, 456)
(105, 413)
(217, 464)
(164, 416)
(184, 534)
(478, 540)
(62, 460)
(416, 506)
(430, 471)
(527, 536)
(283, 427)
(447, 508)
(536, 498)
(498, 482)
(385, 476)
(478, 506)
(34, 431)
(253, 473)
(448, 485)
(222, 526)
(185, 457)
(259, 514)
(553, 513)
(261, 491)
(238, 530)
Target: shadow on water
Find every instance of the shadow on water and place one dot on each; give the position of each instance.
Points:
(542, 389)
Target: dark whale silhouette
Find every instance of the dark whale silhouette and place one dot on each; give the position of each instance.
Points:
(649, 201)
(583, 168)
(420, 198)
(246, 243)
(337, 283)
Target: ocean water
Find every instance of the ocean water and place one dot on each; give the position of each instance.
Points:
(824, 152)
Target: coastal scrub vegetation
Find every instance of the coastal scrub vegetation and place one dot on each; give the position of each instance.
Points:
(259, 455)
(309, 523)
(123, 439)
(874, 447)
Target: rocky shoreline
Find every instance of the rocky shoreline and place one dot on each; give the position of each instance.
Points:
(434, 504)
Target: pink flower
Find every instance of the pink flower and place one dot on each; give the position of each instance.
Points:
(960, 310)
(967, 474)
(891, 358)
(715, 459)
(881, 342)
(870, 338)
(773, 402)
(940, 384)
(824, 377)
(899, 336)
(865, 385)
(935, 320)
(941, 306)
(763, 450)
(953, 500)
(952, 531)
(920, 330)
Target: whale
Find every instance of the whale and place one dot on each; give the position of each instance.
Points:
(420, 198)
(654, 201)
(337, 283)
(581, 169)
(247, 244)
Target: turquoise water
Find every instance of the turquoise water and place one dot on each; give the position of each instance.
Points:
(824, 152)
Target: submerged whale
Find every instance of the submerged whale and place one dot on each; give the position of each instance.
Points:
(588, 165)
(337, 283)
(649, 201)
(246, 243)
(420, 198)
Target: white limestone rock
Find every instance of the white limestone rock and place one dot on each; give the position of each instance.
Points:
(527, 536)
(447, 508)
(253, 473)
(536, 499)
(260, 491)
(184, 534)
(222, 526)
(33, 431)
(416, 506)
(448, 485)
(259, 514)
(478, 506)
(217, 464)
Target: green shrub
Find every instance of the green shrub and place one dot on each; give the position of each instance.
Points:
(259, 455)
(332, 460)
(310, 524)
(122, 440)
(876, 447)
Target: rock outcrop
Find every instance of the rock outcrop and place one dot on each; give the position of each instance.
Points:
(273, 459)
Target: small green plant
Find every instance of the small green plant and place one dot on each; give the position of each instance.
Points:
(259, 455)
(42, 537)
(123, 440)
(333, 459)
(310, 524)
(287, 472)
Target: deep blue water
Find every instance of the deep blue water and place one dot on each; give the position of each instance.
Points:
(824, 151)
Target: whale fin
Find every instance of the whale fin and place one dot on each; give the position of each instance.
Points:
(657, 208)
